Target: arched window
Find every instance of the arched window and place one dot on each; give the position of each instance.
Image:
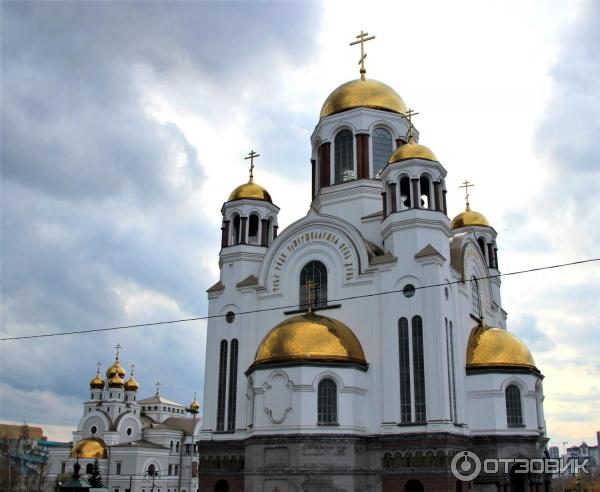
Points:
(236, 230)
(514, 415)
(539, 399)
(344, 157)
(418, 369)
(250, 408)
(405, 193)
(177, 447)
(233, 360)
(475, 297)
(222, 386)
(151, 470)
(253, 229)
(315, 273)
(327, 402)
(451, 373)
(425, 192)
(404, 351)
(481, 243)
(171, 446)
(382, 148)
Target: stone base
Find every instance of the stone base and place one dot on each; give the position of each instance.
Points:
(343, 463)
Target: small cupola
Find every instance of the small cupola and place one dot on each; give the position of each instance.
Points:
(97, 382)
(131, 384)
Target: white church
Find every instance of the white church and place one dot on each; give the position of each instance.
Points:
(363, 346)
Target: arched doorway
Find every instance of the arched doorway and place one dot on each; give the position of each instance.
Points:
(222, 486)
(517, 480)
(414, 486)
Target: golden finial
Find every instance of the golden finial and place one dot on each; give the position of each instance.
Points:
(251, 156)
(466, 186)
(158, 385)
(310, 285)
(408, 116)
(362, 39)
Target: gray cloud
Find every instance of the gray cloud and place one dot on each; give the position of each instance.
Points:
(526, 328)
(98, 196)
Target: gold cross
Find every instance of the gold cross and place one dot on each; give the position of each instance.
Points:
(158, 385)
(310, 285)
(99, 364)
(409, 114)
(251, 156)
(132, 368)
(466, 186)
(362, 39)
(118, 347)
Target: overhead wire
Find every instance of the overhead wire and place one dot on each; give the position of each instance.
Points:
(349, 298)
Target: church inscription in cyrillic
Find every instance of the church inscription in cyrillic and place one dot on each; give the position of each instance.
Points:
(323, 236)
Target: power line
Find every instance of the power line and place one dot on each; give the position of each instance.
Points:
(199, 318)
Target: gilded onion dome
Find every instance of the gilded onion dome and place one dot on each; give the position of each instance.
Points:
(194, 406)
(97, 382)
(310, 338)
(131, 384)
(497, 348)
(115, 369)
(411, 150)
(363, 93)
(116, 382)
(250, 190)
(469, 218)
(90, 448)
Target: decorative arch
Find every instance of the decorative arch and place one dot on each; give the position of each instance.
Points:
(277, 396)
(328, 374)
(94, 415)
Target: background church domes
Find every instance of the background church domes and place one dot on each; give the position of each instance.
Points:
(310, 338)
(412, 150)
(469, 218)
(97, 382)
(497, 348)
(363, 93)
(115, 369)
(250, 190)
(91, 448)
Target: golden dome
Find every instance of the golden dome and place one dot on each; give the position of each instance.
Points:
(469, 218)
(97, 382)
(115, 369)
(89, 448)
(363, 93)
(250, 190)
(194, 406)
(116, 381)
(412, 150)
(132, 384)
(495, 347)
(310, 338)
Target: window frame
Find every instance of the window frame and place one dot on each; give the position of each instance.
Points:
(327, 402)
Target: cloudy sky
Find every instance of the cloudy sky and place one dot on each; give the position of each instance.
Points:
(123, 131)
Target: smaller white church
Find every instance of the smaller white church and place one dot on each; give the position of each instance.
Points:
(140, 444)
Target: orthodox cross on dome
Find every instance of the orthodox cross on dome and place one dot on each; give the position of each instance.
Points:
(466, 186)
(158, 385)
(251, 156)
(99, 364)
(362, 39)
(132, 368)
(409, 114)
(118, 348)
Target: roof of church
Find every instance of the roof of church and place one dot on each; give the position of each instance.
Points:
(158, 399)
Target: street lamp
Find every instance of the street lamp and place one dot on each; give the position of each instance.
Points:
(194, 409)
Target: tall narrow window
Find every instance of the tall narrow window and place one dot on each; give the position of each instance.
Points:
(404, 193)
(327, 402)
(514, 415)
(405, 400)
(344, 157)
(382, 148)
(233, 359)
(250, 408)
(418, 368)
(314, 274)
(222, 386)
(475, 297)
(253, 229)
(236, 230)
(425, 192)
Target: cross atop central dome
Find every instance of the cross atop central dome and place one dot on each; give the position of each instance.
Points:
(363, 93)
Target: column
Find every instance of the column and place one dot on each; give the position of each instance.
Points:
(444, 201)
(362, 155)
(324, 165)
(274, 231)
(415, 193)
(491, 255)
(225, 234)
(243, 221)
(393, 199)
(436, 193)
(264, 234)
